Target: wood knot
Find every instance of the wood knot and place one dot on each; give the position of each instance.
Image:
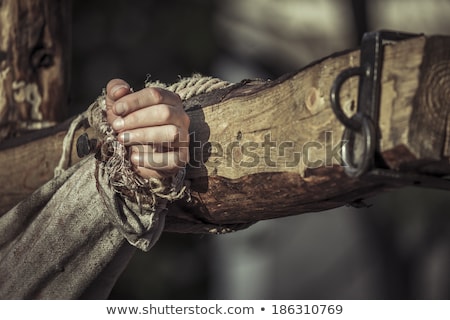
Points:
(42, 58)
(312, 100)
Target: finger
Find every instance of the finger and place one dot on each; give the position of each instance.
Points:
(167, 135)
(147, 150)
(161, 114)
(150, 173)
(150, 163)
(145, 98)
(116, 89)
(170, 161)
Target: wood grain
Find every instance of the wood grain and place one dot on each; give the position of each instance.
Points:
(34, 63)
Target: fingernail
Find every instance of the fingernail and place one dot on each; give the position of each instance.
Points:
(120, 108)
(136, 158)
(124, 137)
(117, 88)
(118, 124)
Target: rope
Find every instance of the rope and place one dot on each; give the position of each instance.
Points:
(67, 145)
(186, 88)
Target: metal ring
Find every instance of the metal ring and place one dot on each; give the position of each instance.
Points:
(351, 168)
(349, 123)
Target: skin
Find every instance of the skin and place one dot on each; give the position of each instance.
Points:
(153, 124)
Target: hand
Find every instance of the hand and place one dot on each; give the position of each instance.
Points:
(153, 123)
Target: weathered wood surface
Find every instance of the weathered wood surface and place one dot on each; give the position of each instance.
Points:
(28, 162)
(34, 62)
(263, 149)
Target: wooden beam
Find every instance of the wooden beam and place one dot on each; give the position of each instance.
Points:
(34, 62)
(28, 162)
(246, 181)
(268, 149)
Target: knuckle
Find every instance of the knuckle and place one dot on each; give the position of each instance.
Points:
(164, 113)
(172, 132)
(178, 98)
(183, 158)
(138, 103)
(186, 119)
(176, 162)
(184, 136)
(156, 95)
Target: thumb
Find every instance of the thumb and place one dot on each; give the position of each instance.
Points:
(115, 89)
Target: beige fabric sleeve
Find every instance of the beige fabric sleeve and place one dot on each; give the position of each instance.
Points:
(56, 242)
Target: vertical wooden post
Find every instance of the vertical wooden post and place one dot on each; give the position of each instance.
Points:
(34, 64)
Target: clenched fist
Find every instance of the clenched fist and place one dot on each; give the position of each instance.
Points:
(153, 123)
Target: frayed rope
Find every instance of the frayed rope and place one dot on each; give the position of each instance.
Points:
(119, 168)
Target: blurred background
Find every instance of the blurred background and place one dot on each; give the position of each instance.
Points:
(399, 248)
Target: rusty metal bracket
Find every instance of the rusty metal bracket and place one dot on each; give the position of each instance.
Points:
(360, 155)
